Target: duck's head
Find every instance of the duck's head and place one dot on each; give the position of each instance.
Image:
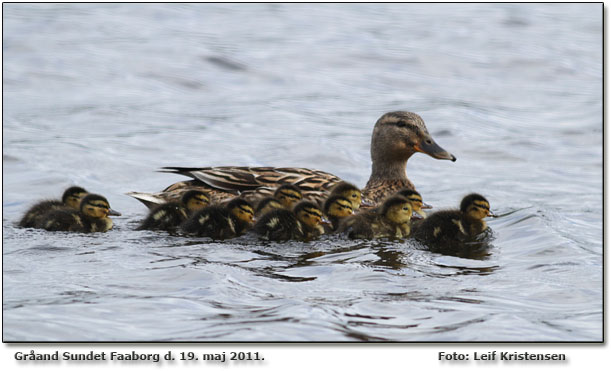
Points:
(397, 209)
(72, 197)
(268, 204)
(96, 206)
(338, 206)
(398, 135)
(195, 200)
(242, 210)
(309, 214)
(350, 192)
(416, 200)
(475, 207)
(288, 195)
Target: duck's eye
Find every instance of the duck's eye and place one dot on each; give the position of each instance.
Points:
(428, 141)
(406, 208)
(401, 124)
(353, 195)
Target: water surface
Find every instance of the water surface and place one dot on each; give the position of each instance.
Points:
(101, 95)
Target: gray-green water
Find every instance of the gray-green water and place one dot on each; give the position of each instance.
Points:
(101, 95)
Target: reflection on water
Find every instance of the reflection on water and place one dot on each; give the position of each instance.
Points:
(102, 95)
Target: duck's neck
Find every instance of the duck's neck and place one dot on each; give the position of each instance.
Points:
(394, 170)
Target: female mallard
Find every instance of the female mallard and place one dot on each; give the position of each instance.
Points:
(443, 229)
(391, 220)
(395, 138)
(303, 223)
(221, 222)
(92, 216)
(170, 215)
(70, 199)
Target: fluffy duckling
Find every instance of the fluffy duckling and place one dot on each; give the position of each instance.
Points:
(70, 199)
(443, 229)
(266, 205)
(416, 200)
(92, 216)
(303, 223)
(350, 192)
(170, 215)
(337, 208)
(221, 222)
(392, 220)
(288, 195)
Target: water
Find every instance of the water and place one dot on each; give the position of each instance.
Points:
(101, 95)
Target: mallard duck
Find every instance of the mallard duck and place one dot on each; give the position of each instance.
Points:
(337, 208)
(288, 195)
(221, 222)
(444, 229)
(92, 216)
(416, 200)
(70, 199)
(170, 215)
(350, 192)
(396, 137)
(304, 222)
(266, 205)
(391, 220)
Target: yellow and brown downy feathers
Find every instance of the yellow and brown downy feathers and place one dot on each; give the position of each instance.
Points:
(70, 199)
(92, 216)
(446, 229)
(303, 223)
(391, 220)
(416, 200)
(396, 137)
(266, 205)
(221, 222)
(171, 215)
(336, 209)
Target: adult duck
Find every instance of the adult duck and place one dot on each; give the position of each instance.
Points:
(396, 137)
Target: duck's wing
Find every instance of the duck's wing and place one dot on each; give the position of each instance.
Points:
(259, 182)
(251, 183)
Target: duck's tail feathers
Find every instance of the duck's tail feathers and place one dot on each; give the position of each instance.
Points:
(148, 199)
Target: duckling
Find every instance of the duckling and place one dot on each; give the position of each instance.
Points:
(337, 208)
(170, 215)
(396, 137)
(416, 200)
(350, 192)
(92, 216)
(266, 205)
(303, 223)
(392, 220)
(288, 195)
(442, 230)
(70, 199)
(221, 222)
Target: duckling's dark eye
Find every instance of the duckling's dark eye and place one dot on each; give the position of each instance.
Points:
(354, 195)
(401, 124)
(405, 208)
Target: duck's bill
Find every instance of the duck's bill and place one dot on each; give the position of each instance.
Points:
(416, 216)
(113, 212)
(434, 150)
(491, 214)
(426, 206)
(325, 221)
